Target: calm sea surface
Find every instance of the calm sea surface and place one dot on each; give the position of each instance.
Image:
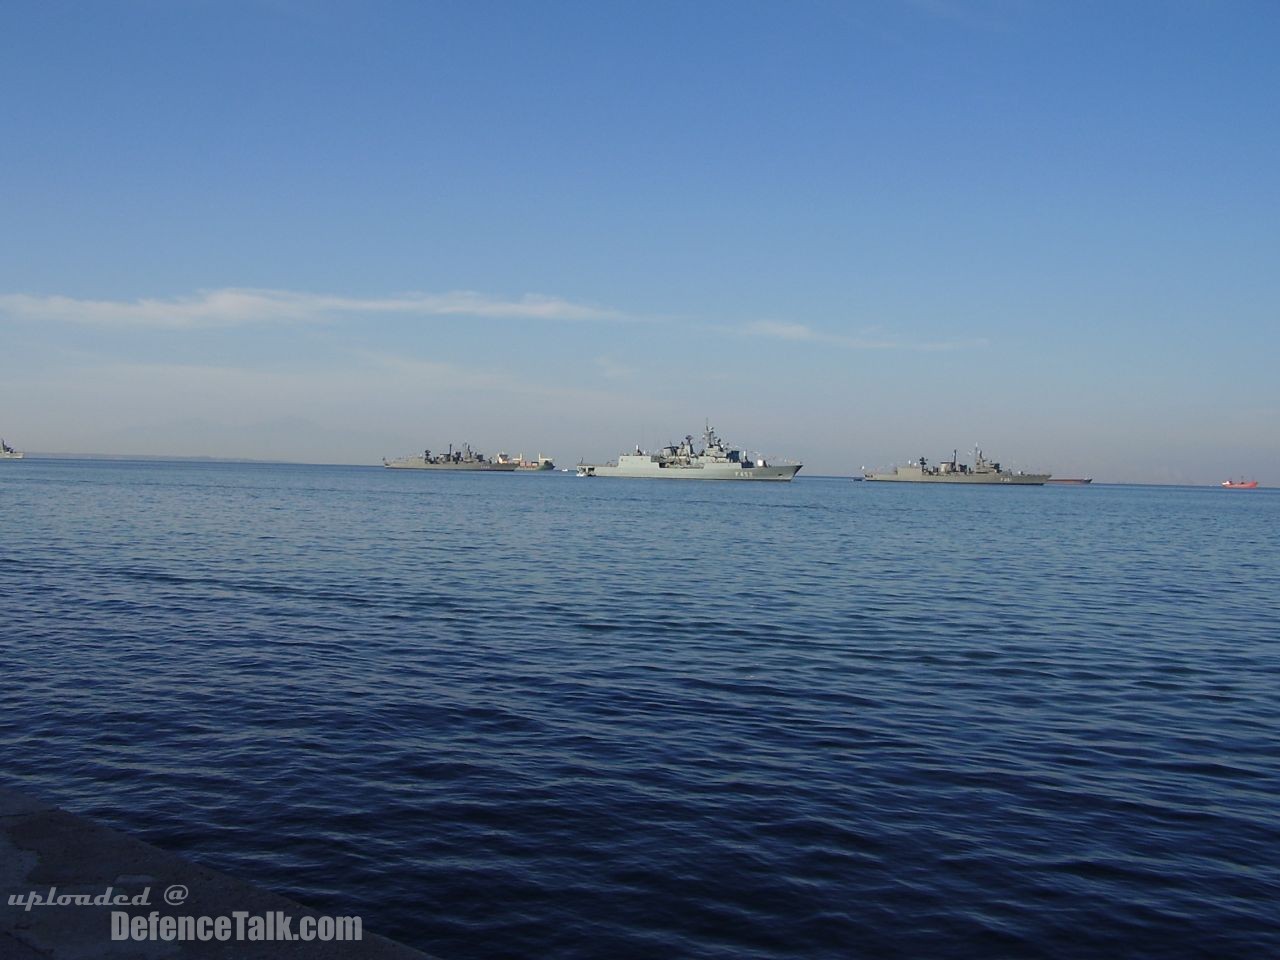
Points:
(535, 716)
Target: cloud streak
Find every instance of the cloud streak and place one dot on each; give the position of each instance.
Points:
(234, 307)
(801, 333)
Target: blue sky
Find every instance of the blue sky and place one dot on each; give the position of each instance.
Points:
(848, 233)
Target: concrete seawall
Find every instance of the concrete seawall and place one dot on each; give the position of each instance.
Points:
(42, 847)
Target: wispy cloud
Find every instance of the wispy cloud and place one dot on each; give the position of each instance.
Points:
(781, 331)
(800, 332)
(612, 369)
(238, 307)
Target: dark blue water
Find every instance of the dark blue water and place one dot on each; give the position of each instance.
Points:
(533, 716)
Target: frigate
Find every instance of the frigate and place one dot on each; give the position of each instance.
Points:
(8, 453)
(982, 471)
(715, 461)
(463, 459)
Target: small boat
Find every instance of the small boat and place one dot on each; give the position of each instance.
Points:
(1239, 484)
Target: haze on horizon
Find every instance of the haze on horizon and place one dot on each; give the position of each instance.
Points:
(849, 234)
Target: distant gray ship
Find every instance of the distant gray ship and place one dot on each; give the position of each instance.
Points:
(714, 462)
(539, 465)
(983, 471)
(464, 459)
(8, 453)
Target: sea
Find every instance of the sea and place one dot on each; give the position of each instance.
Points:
(515, 716)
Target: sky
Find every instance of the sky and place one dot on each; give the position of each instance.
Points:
(846, 233)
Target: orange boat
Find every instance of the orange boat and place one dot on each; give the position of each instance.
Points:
(1239, 484)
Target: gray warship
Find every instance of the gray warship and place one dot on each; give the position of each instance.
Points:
(982, 471)
(714, 461)
(463, 459)
(8, 453)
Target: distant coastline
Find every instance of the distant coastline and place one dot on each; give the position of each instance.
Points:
(155, 457)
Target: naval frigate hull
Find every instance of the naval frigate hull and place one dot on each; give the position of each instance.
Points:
(417, 463)
(1023, 479)
(684, 461)
(728, 472)
(984, 471)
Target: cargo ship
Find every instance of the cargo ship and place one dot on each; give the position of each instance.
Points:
(542, 463)
(1240, 484)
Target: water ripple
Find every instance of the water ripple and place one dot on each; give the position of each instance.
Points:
(527, 716)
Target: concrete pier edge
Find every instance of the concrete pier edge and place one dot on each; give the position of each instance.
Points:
(42, 846)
